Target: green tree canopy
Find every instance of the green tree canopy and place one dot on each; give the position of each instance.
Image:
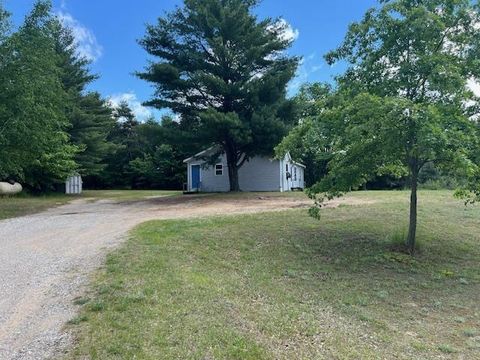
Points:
(149, 154)
(90, 117)
(34, 144)
(225, 73)
(310, 141)
(403, 101)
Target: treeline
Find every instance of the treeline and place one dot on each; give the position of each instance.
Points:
(51, 126)
(147, 155)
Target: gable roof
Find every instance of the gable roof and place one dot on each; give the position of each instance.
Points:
(289, 157)
(211, 150)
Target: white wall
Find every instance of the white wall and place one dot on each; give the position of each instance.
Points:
(258, 174)
(212, 182)
(288, 183)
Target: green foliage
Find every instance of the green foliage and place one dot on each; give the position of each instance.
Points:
(34, 145)
(377, 133)
(125, 137)
(433, 179)
(91, 124)
(4, 23)
(310, 141)
(225, 73)
(403, 101)
(148, 155)
(49, 127)
(89, 115)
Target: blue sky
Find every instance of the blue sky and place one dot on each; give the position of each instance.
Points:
(107, 31)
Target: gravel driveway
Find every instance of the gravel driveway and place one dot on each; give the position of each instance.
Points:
(45, 259)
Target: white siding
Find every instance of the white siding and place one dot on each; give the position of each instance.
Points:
(298, 180)
(302, 178)
(74, 185)
(260, 174)
(210, 182)
(288, 183)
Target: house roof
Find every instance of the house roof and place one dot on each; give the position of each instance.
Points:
(294, 162)
(213, 149)
(298, 164)
(205, 152)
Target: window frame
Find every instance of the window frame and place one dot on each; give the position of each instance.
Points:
(219, 170)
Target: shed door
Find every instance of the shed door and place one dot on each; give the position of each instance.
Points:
(195, 176)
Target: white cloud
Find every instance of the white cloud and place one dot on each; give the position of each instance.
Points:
(177, 118)
(85, 40)
(474, 86)
(288, 33)
(306, 68)
(141, 112)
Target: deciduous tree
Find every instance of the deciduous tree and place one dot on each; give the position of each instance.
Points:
(405, 96)
(34, 144)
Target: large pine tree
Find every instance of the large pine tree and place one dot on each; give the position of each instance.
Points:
(225, 73)
(90, 116)
(125, 137)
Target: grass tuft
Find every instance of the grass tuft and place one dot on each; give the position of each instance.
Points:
(96, 306)
(470, 332)
(77, 320)
(447, 349)
(81, 301)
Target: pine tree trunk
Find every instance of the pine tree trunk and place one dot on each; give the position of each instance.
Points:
(412, 229)
(233, 177)
(232, 170)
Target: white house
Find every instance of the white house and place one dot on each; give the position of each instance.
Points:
(257, 174)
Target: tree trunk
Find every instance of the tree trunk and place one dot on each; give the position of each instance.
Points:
(412, 229)
(233, 177)
(232, 162)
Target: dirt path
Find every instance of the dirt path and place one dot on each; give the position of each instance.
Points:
(45, 259)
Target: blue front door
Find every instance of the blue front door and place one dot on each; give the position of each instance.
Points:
(195, 177)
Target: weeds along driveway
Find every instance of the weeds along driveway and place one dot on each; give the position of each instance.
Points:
(45, 258)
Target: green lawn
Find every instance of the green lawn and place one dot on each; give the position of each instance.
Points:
(24, 204)
(13, 206)
(285, 286)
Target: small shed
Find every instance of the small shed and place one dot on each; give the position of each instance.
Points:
(74, 185)
(258, 174)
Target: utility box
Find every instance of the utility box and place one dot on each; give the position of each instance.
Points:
(74, 185)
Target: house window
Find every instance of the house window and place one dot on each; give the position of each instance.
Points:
(294, 174)
(219, 170)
